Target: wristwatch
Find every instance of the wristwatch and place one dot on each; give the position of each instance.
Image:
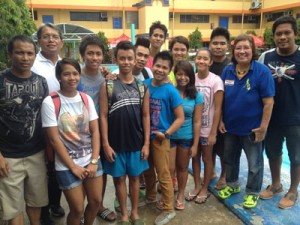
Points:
(94, 161)
(167, 135)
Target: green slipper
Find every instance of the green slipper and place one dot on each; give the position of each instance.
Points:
(117, 205)
(250, 201)
(123, 223)
(138, 222)
(228, 191)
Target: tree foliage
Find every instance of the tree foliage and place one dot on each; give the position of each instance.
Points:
(195, 39)
(251, 32)
(107, 54)
(298, 37)
(268, 38)
(15, 19)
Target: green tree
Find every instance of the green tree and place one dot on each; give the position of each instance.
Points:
(298, 38)
(268, 38)
(251, 32)
(15, 19)
(107, 54)
(195, 39)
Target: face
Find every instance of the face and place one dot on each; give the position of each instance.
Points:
(50, 41)
(93, 57)
(218, 46)
(203, 61)
(69, 78)
(142, 56)
(157, 39)
(182, 78)
(161, 69)
(243, 52)
(22, 56)
(285, 37)
(179, 52)
(125, 60)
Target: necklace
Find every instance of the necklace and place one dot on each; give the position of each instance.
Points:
(241, 73)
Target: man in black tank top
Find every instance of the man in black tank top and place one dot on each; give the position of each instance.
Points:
(125, 128)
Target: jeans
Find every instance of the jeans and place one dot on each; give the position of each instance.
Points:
(254, 152)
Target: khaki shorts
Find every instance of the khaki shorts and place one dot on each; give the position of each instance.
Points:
(26, 183)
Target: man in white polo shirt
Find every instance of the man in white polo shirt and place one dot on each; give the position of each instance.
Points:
(50, 40)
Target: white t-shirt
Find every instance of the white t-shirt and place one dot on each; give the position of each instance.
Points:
(208, 87)
(46, 68)
(73, 127)
(140, 76)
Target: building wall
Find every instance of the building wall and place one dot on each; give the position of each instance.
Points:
(60, 10)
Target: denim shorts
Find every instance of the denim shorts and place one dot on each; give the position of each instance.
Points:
(203, 141)
(274, 142)
(183, 143)
(67, 180)
(126, 163)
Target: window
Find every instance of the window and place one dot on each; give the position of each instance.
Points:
(88, 16)
(298, 16)
(117, 22)
(247, 19)
(132, 18)
(194, 18)
(48, 19)
(35, 15)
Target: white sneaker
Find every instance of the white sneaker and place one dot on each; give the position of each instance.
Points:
(164, 218)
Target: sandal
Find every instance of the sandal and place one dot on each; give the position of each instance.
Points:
(288, 201)
(220, 185)
(160, 205)
(250, 201)
(201, 199)
(190, 197)
(138, 222)
(270, 192)
(107, 215)
(228, 191)
(179, 205)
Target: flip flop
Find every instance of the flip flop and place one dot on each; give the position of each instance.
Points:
(138, 222)
(204, 197)
(190, 197)
(179, 205)
(220, 185)
(104, 214)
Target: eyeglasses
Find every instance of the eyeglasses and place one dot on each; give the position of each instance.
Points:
(48, 37)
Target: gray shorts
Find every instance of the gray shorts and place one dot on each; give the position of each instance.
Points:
(275, 138)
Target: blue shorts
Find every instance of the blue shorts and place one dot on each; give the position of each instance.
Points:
(67, 180)
(183, 143)
(126, 163)
(203, 141)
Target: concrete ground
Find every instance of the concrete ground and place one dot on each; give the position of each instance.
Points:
(213, 212)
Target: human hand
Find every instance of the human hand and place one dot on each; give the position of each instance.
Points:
(109, 153)
(222, 128)
(92, 169)
(159, 135)
(80, 172)
(145, 152)
(260, 134)
(4, 167)
(193, 151)
(211, 139)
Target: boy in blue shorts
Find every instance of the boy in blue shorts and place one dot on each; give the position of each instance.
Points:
(125, 128)
(166, 118)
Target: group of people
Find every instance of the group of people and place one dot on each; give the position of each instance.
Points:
(144, 121)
